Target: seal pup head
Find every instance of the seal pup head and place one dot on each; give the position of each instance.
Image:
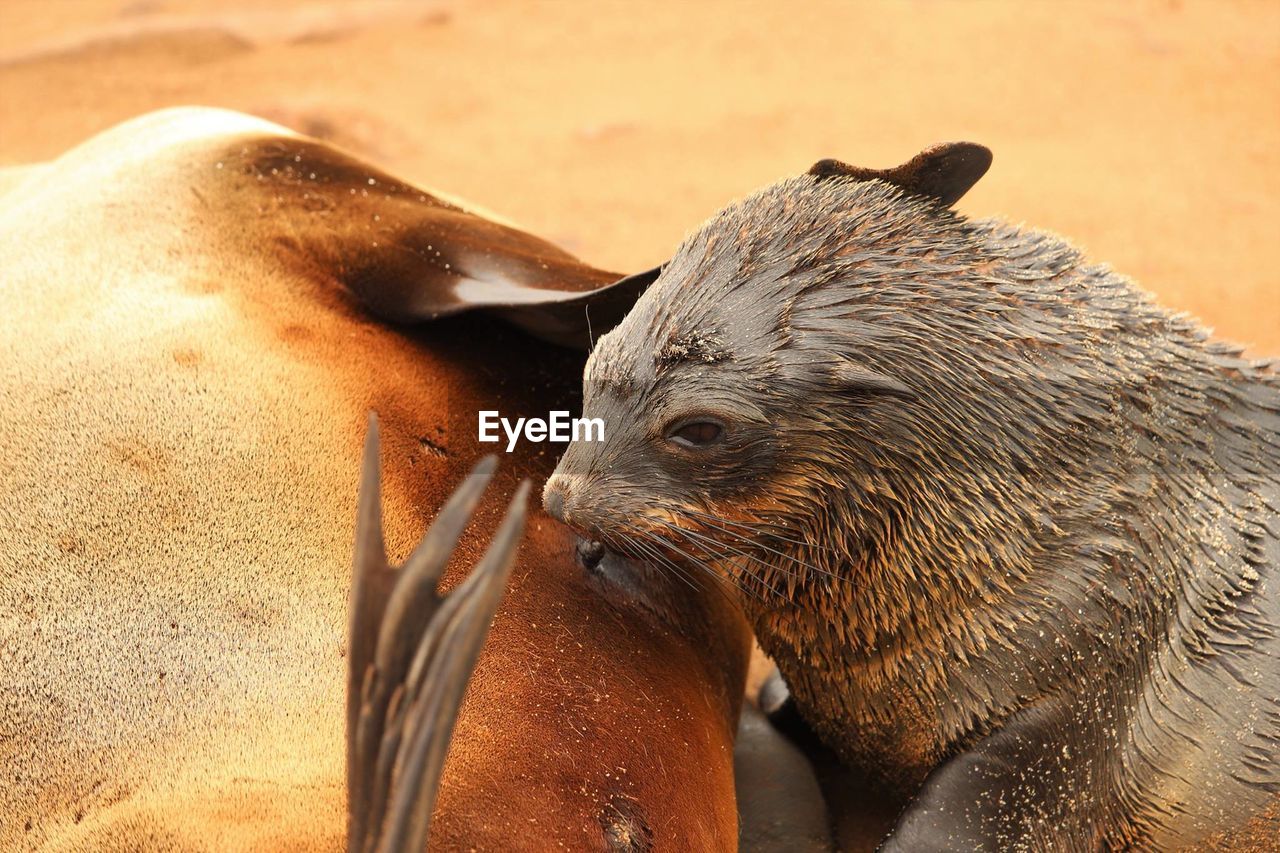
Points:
(772, 363)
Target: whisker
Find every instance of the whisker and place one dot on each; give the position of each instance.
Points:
(753, 543)
(746, 557)
(665, 543)
(754, 528)
(648, 552)
(721, 584)
(758, 578)
(708, 541)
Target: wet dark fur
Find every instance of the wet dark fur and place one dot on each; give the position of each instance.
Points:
(1052, 510)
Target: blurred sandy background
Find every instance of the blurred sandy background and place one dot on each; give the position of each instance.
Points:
(1147, 132)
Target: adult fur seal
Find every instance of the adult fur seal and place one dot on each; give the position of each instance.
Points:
(1010, 530)
(187, 363)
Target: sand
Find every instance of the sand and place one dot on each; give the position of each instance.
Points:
(1147, 133)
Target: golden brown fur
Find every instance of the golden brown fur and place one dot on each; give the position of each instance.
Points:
(184, 385)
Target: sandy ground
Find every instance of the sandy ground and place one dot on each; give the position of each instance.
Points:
(1146, 132)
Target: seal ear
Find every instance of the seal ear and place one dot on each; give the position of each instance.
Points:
(855, 379)
(944, 172)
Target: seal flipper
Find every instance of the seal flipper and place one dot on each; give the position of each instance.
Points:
(258, 191)
(409, 255)
(411, 655)
(1038, 779)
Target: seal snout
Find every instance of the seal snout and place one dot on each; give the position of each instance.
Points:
(557, 497)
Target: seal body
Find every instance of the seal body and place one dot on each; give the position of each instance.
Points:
(1010, 530)
(187, 364)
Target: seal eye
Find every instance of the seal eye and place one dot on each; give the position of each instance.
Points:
(696, 433)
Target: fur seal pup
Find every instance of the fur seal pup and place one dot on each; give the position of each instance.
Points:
(1010, 531)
